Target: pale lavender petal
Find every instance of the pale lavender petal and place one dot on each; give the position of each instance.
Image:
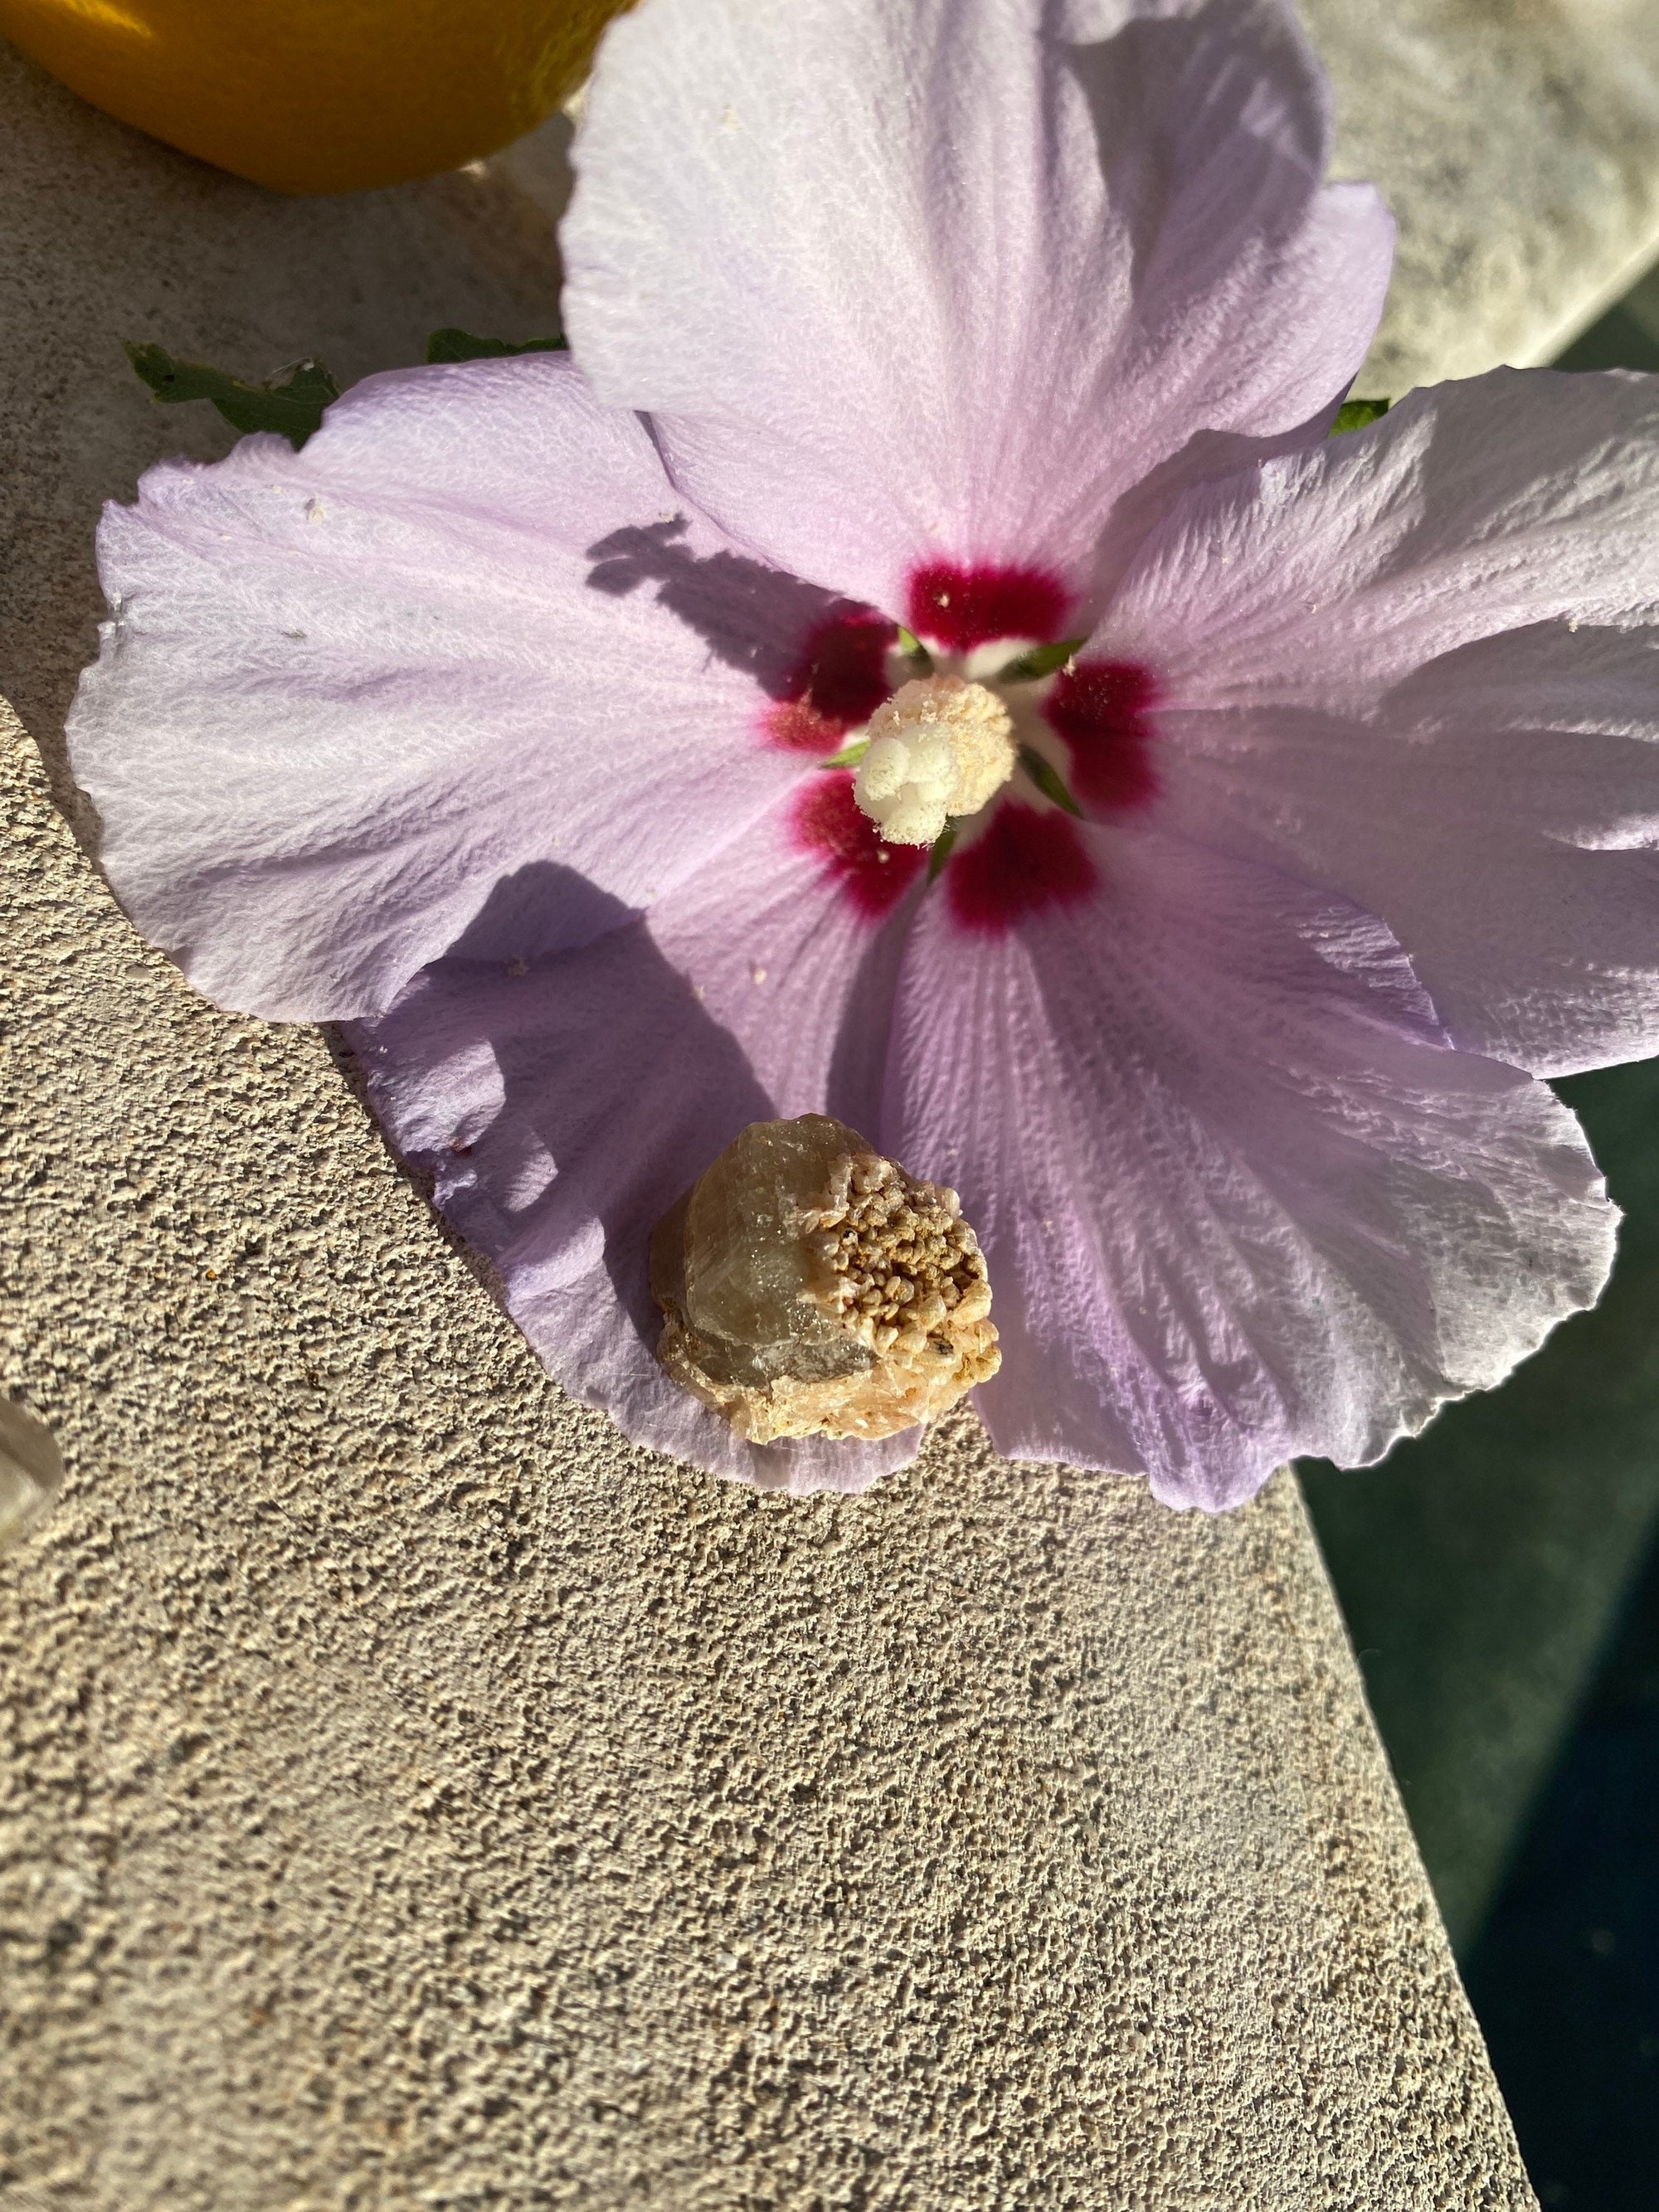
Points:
(1421, 667)
(946, 280)
(345, 691)
(1240, 1199)
(561, 1103)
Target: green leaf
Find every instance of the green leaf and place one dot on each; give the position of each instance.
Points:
(1047, 779)
(940, 851)
(292, 407)
(450, 344)
(1041, 660)
(1355, 413)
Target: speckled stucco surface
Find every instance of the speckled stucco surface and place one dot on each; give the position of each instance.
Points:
(412, 1795)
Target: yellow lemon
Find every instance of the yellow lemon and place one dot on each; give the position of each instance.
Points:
(319, 95)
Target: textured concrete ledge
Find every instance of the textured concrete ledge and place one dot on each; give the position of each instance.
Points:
(415, 1797)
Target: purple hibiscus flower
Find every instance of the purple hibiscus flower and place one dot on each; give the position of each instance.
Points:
(907, 340)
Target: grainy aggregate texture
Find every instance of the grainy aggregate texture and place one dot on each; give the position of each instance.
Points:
(1517, 142)
(416, 1797)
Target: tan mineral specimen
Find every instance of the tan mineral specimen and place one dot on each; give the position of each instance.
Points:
(813, 1289)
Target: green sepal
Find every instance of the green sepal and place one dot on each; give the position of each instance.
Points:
(1356, 414)
(912, 649)
(1041, 660)
(940, 851)
(449, 344)
(1048, 780)
(292, 407)
(849, 755)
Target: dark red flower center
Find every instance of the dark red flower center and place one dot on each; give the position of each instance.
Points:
(1025, 860)
(959, 608)
(828, 823)
(838, 681)
(1104, 710)
(1021, 855)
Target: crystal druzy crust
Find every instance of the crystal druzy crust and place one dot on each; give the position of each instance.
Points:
(813, 1289)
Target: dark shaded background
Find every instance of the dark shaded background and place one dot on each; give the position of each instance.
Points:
(1500, 1575)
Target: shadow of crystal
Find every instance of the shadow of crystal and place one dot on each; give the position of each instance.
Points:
(549, 1092)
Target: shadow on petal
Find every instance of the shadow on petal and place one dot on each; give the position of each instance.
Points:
(559, 1104)
(552, 1091)
(751, 617)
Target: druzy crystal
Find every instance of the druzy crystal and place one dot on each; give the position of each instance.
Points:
(812, 1288)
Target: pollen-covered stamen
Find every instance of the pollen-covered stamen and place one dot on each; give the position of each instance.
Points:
(938, 749)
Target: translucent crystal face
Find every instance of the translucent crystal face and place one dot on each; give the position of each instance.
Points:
(748, 1272)
(811, 1288)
